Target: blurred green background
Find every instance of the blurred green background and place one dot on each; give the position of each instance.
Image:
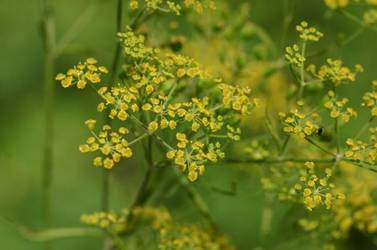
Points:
(76, 185)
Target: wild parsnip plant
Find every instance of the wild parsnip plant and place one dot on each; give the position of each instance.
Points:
(222, 92)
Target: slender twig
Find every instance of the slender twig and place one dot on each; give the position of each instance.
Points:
(105, 200)
(198, 201)
(283, 160)
(48, 37)
(75, 29)
(364, 128)
(271, 129)
(283, 149)
(51, 233)
(302, 72)
(289, 8)
(143, 193)
(117, 52)
(319, 146)
(357, 20)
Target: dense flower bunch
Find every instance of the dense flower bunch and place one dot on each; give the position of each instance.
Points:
(315, 187)
(170, 234)
(154, 97)
(356, 211)
(111, 144)
(308, 184)
(172, 6)
(363, 152)
(82, 74)
(329, 178)
(335, 72)
(295, 54)
(298, 123)
(338, 109)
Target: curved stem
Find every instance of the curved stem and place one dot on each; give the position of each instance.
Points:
(319, 147)
(105, 200)
(302, 72)
(48, 37)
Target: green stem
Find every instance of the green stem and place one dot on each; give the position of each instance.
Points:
(289, 7)
(143, 192)
(319, 147)
(355, 19)
(105, 200)
(285, 145)
(76, 28)
(282, 160)
(51, 233)
(48, 37)
(117, 52)
(105, 191)
(198, 201)
(365, 127)
(336, 134)
(302, 72)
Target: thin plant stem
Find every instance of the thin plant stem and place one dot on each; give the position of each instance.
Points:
(364, 128)
(302, 72)
(49, 38)
(283, 160)
(289, 8)
(105, 196)
(49, 41)
(357, 20)
(319, 147)
(75, 29)
(198, 201)
(143, 192)
(285, 145)
(117, 52)
(336, 134)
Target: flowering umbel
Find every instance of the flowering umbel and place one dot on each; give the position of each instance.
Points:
(155, 99)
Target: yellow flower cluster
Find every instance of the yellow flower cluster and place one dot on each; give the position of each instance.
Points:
(237, 98)
(110, 143)
(334, 72)
(134, 46)
(170, 235)
(363, 152)
(316, 190)
(192, 155)
(308, 33)
(357, 211)
(294, 55)
(81, 74)
(156, 96)
(336, 4)
(338, 109)
(370, 99)
(104, 220)
(298, 123)
(172, 6)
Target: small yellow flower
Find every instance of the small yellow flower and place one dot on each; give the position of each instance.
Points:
(192, 176)
(84, 148)
(90, 123)
(170, 154)
(108, 163)
(152, 127)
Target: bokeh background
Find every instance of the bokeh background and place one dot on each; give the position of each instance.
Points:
(76, 184)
